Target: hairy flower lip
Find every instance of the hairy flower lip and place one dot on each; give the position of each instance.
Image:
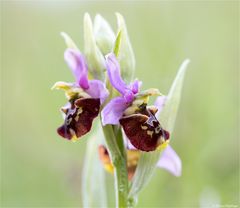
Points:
(144, 130)
(84, 96)
(79, 118)
(139, 123)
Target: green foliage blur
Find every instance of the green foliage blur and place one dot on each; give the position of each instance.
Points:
(40, 169)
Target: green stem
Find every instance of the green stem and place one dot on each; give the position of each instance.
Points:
(120, 143)
(114, 143)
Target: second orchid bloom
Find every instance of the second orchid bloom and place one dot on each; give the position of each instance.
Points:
(130, 110)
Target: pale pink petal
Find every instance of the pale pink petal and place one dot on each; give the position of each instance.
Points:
(97, 89)
(135, 86)
(159, 103)
(113, 111)
(77, 63)
(114, 74)
(170, 161)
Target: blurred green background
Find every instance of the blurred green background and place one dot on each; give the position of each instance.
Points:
(39, 169)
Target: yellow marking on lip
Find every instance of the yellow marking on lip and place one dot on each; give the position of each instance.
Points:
(157, 130)
(76, 118)
(150, 133)
(144, 127)
(79, 111)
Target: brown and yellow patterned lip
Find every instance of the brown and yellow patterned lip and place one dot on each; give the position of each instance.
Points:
(144, 130)
(79, 118)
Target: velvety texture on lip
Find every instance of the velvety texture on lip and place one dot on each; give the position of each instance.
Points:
(144, 130)
(79, 118)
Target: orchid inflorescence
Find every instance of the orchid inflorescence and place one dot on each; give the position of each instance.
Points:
(103, 87)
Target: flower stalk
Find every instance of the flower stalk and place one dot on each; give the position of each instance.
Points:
(117, 153)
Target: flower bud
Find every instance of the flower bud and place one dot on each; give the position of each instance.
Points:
(104, 34)
(125, 55)
(69, 42)
(95, 59)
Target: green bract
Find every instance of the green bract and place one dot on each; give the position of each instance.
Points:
(93, 173)
(125, 55)
(99, 40)
(69, 42)
(148, 161)
(95, 58)
(104, 34)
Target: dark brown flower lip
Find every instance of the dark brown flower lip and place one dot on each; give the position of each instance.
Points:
(144, 130)
(79, 118)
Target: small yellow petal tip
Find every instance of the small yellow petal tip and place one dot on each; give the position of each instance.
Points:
(61, 86)
(149, 92)
(74, 138)
(162, 146)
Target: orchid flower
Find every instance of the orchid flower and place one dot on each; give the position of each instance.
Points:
(130, 110)
(169, 160)
(85, 96)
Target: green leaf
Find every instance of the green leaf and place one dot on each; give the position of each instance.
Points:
(117, 43)
(169, 113)
(148, 161)
(93, 181)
